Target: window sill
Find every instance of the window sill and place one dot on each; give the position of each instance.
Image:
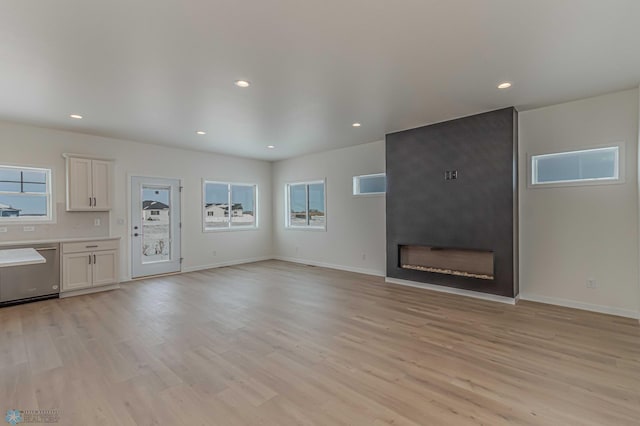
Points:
(239, 228)
(305, 228)
(371, 194)
(589, 182)
(10, 222)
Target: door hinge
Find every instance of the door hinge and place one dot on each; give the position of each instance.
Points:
(180, 188)
(180, 225)
(181, 259)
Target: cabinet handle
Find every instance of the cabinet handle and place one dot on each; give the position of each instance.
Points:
(95, 202)
(89, 259)
(91, 246)
(90, 201)
(94, 259)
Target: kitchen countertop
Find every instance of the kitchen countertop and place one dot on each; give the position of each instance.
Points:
(20, 257)
(56, 240)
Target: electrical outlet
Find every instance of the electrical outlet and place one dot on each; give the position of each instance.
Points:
(215, 253)
(96, 222)
(591, 283)
(28, 228)
(3, 229)
(364, 256)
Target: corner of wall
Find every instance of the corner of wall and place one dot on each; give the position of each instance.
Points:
(272, 237)
(638, 185)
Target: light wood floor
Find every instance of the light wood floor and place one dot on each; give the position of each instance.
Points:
(278, 343)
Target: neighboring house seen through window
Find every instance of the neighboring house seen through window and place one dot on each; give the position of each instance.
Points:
(229, 206)
(25, 194)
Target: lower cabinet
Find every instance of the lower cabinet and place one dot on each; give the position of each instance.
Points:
(105, 267)
(89, 264)
(76, 271)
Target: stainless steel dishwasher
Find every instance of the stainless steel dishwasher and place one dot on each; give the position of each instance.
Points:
(32, 282)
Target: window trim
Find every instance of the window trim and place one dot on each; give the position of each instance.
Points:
(356, 186)
(50, 218)
(619, 168)
(230, 228)
(287, 213)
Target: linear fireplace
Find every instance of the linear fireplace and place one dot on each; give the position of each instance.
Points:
(451, 187)
(448, 261)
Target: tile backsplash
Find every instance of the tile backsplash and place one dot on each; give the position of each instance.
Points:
(67, 225)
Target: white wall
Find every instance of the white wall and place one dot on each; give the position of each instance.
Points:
(566, 234)
(44, 147)
(570, 234)
(355, 225)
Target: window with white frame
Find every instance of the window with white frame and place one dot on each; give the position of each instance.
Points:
(25, 194)
(305, 205)
(589, 166)
(229, 206)
(375, 184)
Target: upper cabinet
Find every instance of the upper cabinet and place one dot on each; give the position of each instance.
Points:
(89, 184)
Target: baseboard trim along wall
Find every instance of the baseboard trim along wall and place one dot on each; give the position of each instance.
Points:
(227, 263)
(452, 290)
(331, 266)
(89, 290)
(627, 313)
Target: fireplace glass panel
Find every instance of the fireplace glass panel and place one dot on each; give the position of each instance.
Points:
(448, 261)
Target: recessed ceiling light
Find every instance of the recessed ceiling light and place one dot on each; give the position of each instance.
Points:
(200, 132)
(242, 83)
(504, 85)
(270, 146)
(356, 124)
(76, 116)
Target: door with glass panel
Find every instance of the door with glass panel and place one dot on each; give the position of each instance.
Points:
(155, 226)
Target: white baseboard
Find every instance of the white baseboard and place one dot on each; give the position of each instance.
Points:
(452, 290)
(627, 313)
(226, 263)
(89, 290)
(364, 271)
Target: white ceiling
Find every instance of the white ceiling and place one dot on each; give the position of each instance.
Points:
(158, 70)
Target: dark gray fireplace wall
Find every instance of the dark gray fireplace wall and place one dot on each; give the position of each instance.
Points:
(478, 210)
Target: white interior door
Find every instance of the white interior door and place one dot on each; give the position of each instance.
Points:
(155, 226)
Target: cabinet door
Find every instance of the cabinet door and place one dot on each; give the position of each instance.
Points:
(101, 179)
(76, 271)
(79, 187)
(105, 267)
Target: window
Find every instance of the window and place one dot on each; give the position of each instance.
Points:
(576, 167)
(229, 206)
(306, 205)
(25, 194)
(370, 184)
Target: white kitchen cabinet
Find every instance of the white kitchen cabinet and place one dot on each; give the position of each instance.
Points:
(89, 184)
(76, 271)
(89, 264)
(105, 267)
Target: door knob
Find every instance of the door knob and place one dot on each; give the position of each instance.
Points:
(135, 235)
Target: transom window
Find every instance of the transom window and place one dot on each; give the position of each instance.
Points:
(25, 194)
(589, 166)
(375, 184)
(229, 206)
(306, 205)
